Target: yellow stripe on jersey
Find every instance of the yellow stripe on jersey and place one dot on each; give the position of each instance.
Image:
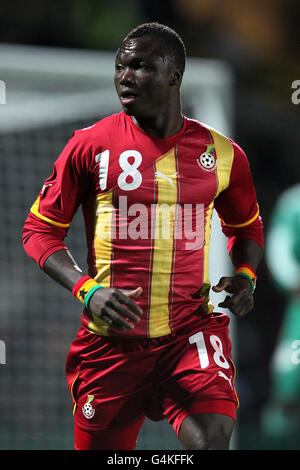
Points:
(166, 180)
(103, 251)
(244, 224)
(35, 210)
(72, 394)
(206, 282)
(237, 404)
(225, 153)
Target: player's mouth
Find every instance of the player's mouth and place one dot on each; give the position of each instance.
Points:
(127, 97)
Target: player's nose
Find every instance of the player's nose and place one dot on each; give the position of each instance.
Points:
(126, 77)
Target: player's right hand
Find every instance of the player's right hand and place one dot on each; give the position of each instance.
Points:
(117, 307)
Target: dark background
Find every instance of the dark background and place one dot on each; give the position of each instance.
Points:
(260, 39)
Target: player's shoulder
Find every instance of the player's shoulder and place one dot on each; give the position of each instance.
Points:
(85, 142)
(201, 127)
(99, 130)
(215, 135)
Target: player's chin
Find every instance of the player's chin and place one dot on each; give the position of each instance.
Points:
(130, 109)
(133, 105)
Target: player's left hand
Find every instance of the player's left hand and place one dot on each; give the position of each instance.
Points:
(241, 301)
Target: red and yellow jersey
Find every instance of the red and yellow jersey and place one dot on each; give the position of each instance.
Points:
(147, 204)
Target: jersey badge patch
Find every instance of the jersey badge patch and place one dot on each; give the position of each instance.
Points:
(87, 409)
(207, 160)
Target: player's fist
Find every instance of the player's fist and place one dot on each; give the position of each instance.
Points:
(241, 301)
(117, 307)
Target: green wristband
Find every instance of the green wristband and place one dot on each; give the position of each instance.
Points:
(249, 279)
(90, 293)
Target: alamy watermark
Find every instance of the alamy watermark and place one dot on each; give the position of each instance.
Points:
(159, 221)
(2, 92)
(296, 94)
(2, 352)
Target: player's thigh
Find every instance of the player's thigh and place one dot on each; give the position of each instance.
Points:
(198, 397)
(111, 438)
(109, 389)
(206, 431)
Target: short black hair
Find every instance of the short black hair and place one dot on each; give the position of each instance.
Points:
(173, 45)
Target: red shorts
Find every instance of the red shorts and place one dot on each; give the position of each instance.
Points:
(115, 383)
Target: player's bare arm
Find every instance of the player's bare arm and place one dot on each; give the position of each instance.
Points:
(114, 306)
(241, 300)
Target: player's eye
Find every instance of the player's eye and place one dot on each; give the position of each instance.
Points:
(143, 65)
(139, 64)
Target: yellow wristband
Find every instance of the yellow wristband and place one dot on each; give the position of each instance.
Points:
(83, 287)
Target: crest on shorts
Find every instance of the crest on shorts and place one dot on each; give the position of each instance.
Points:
(87, 408)
(207, 160)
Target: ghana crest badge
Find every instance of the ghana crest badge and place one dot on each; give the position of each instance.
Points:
(207, 160)
(87, 408)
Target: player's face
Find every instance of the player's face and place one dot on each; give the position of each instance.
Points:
(142, 77)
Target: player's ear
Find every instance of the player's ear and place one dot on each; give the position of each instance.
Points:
(176, 77)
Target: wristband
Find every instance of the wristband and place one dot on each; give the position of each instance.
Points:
(84, 289)
(247, 271)
(90, 293)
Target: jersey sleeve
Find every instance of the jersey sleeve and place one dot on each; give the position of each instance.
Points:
(237, 205)
(51, 214)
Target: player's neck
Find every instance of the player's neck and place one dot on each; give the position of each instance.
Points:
(163, 124)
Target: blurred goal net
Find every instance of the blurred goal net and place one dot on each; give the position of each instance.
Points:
(48, 94)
